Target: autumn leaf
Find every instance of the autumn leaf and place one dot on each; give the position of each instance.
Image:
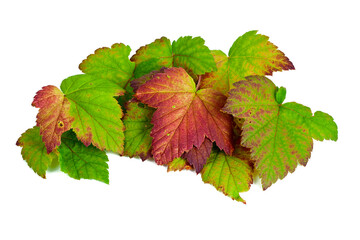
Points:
(187, 52)
(136, 83)
(137, 130)
(279, 135)
(178, 164)
(53, 117)
(80, 161)
(229, 174)
(96, 113)
(197, 156)
(184, 115)
(152, 57)
(250, 54)
(34, 151)
(112, 64)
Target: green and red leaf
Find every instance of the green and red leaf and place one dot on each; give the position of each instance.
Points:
(53, 117)
(229, 174)
(279, 135)
(178, 164)
(34, 151)
(251, 54)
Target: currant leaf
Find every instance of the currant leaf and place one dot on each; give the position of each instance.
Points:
(197, 157)
(80, 161)
(184, 115)
(279, 135)
(322, 126)
(137, 130)
(112, 64)
(250, 54)
(153, 56)
(178, 164)
(97, 115)
(229, 174)
(34, 151)
(136, 83)
(192, 55)
(187, 52)
(53, 117)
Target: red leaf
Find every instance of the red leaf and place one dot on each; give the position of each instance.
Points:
(197, 156)
(184, 115)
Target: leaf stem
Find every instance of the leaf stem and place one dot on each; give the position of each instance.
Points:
(198, 83)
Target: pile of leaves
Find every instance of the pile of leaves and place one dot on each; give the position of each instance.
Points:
(182, 105)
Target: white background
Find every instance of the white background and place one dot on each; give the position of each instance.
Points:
(42, 43)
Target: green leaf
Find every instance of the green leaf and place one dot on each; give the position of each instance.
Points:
(279, 135)
(152, 57)
(97, 115)
(137, 130)
(322, 126)
(112, 64)
(80, 161)
(187, 52)
(192, 55)
(251, 54)
(229, 174)
(34, 151)
(123, 99)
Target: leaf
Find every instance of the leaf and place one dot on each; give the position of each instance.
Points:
(112, 64)
(178, 164)
(34, 151)
(220, 79)
(322, 126)
(53, 117)
(96, 113)
(136, 83)
(229, 174)
(197, 157)
(152, 57)
(187, 52)
(137, 130)
(250, 54)
(123, 99)
(192, 55)
(279, 135)
(184, 115)
(80, 161)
